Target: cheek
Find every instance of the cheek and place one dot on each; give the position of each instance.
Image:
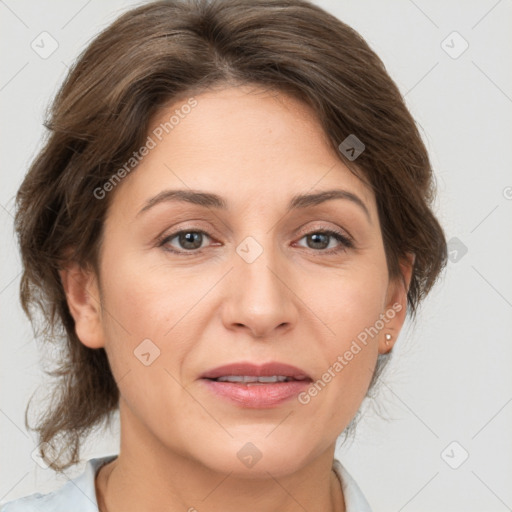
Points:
(137, 307)
(144, 350)
(150, 317)
(347, 300)
(147, 301)
(349, 305)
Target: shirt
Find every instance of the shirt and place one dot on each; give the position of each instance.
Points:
(79, 494)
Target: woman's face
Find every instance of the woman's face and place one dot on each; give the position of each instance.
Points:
(251, 279)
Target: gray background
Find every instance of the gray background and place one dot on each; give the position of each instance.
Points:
(451, 377)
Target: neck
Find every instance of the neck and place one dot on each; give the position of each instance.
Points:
(148, 476)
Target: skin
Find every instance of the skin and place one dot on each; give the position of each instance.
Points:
(295, 303)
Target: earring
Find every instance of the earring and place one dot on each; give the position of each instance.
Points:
(388, 339)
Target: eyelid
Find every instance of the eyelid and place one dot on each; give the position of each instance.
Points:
(192, 225)
(323, 228)
(163, 239)
(345, 240)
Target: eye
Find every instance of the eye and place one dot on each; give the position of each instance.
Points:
(189, 241)
(320, 240)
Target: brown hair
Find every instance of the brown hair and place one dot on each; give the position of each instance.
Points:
(169, 49)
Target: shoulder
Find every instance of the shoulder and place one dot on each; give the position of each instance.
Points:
(79, 494)
(355, 500)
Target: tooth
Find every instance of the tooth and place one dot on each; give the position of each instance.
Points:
(267, 379)
(252, 379)
(231, 378)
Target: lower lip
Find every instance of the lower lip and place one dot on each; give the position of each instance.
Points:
(257, 396)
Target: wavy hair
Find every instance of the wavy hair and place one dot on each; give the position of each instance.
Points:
(158, 53)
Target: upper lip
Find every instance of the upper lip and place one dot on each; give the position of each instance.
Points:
(254, 370)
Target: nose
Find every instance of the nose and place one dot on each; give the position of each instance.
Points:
(259, 297)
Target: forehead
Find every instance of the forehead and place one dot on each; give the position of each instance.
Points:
(242, 143)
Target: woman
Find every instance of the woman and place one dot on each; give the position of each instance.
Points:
(231, 219)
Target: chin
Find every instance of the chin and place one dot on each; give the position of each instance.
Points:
(255, 457)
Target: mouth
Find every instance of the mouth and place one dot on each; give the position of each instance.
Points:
(252, 386)
(250, 372)
(249, 379)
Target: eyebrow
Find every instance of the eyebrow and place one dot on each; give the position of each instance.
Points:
(209, 200)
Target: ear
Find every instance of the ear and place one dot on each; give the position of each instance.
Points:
(83, 298)
(396, 305)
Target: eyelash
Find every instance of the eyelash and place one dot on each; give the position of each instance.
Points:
(346, 242)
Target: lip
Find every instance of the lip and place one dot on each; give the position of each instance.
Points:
(256, 395)
(253, 370)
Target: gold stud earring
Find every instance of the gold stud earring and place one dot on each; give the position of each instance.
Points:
(388, 339)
